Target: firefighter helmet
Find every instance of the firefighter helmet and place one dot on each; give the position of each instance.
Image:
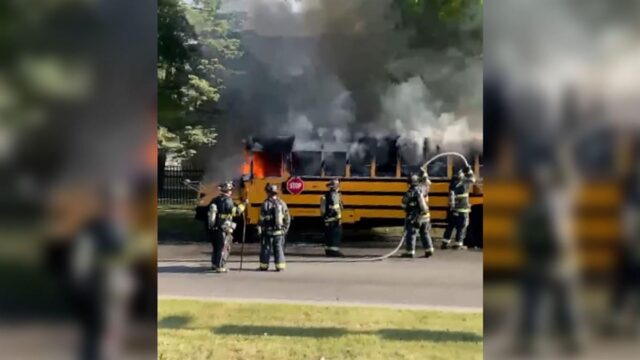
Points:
(333, 184)
(226, 186)
(271, 189)
(413, 179)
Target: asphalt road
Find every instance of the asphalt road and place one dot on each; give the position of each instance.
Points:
(450, 280)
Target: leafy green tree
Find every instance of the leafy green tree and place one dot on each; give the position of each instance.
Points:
(444, 23)
(194, 44)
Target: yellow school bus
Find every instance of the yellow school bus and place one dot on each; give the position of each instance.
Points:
(371, 188)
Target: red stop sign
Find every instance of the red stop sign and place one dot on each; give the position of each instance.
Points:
(295, 185)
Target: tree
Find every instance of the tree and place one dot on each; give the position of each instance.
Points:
(444, 23)
(194, 43)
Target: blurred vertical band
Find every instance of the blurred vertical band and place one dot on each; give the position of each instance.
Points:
(562, 160)
(77, 191)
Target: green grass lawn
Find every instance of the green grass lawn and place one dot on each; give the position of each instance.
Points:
(227, 330)
(177, 224)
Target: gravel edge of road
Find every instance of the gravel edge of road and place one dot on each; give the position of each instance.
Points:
(456, 309)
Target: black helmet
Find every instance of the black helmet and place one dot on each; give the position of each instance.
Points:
(467, 170)
(271, 189)
(226, 186)
(333, 184)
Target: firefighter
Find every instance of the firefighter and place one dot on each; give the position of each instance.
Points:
(549, 273)
(220, 223)
(273, 226)
(331, 212)
(626, 284)
(417, 220)
(460, 207)
(450, 223)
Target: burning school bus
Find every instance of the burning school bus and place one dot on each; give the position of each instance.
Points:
(372, 173)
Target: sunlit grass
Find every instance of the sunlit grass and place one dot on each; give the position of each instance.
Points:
(218, 330)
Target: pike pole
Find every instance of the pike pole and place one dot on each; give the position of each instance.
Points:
(244, 233)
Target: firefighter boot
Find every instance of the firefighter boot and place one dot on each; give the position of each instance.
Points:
(409, 254)
(428, 253)
(333, 252)
(458, 246)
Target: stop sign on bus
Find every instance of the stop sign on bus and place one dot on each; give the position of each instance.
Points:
(295, 185)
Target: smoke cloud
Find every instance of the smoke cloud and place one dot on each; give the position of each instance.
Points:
(330, 72)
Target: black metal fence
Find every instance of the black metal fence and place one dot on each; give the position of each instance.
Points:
(172, 189)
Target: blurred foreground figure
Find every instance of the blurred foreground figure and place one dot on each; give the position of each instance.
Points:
(417, 221)
(220, 225)
(95, 270)
(331, 212)
(625, 300)
(272, 229)
(562, 74)
(549, 274)
(78, 151)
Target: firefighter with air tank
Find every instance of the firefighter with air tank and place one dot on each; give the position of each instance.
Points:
(460, 207)
(417, 219)
(449, 229)
(331, 211)
(273, 226)
(220, 225)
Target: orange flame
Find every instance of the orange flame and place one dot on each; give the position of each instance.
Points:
(246, 166)
(258, 165)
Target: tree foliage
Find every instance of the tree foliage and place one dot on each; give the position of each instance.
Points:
(194, 44)
(444, 23)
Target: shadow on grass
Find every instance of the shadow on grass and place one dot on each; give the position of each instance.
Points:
(325, 332)
(174, 322)
(428, 335)
(179, 226)
(317, 332)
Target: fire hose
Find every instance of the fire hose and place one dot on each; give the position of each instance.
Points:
(402, 239)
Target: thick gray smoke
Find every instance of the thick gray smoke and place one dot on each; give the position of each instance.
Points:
(332, 71)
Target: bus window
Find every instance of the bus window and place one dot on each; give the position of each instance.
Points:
(335, 163)
(306, 163)
(386, 157)
(267, 164)
(438, 168)
(360, 157)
